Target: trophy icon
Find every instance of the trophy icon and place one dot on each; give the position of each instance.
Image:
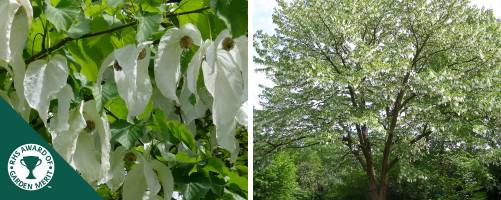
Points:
(31, 162)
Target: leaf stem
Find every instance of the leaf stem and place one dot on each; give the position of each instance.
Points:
(110, 113)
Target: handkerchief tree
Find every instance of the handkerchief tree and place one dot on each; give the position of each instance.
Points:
(387, 81)
(146, 99)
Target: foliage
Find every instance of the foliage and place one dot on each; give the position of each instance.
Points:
(277, 180)
(390, 83)
(146, 99)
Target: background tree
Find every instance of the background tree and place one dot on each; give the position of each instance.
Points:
(390, 82)
(278, 180)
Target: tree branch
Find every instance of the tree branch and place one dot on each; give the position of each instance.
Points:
(331, 62)
(404, 103)
(66, 40)
(423, 134)
(349, 144)
(302, 146)
(275, 146)
(352, 96)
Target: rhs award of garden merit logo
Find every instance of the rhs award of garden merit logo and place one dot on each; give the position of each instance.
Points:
(31, 167)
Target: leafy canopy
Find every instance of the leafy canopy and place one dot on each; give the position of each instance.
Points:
(386, 81)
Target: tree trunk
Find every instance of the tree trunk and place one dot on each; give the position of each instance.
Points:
(383, 190)
(378, 192)
(373, 191)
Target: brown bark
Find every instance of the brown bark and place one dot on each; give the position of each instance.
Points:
(373, 191)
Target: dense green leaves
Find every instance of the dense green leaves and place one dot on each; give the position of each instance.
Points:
(278, 180)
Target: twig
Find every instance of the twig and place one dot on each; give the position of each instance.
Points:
(63, 42)
(187, 12)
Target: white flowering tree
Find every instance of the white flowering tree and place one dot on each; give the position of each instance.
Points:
(146, 99)
(404, 89)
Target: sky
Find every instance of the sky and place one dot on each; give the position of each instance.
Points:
(263, 10)
(495, 5)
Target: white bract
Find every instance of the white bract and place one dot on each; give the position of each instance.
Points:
(168, 59)
(194, 66)
(64, 141)
(93, 165)
(75, 136)
(131, 76)
(11, 39)
(15, 20)
(130, 65)
(42, 81)
(145, 178)
(191, 111)
(224, 80)
(64, 98)
(117, 168)
(240, 54)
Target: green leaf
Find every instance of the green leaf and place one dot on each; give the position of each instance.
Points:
(89, 54)
(153, 6)
(180, 131)
(94, 9)
(216, 24)
(148, 24)
(161, 122)
(200, 20)
(238, 180)
(186, 57)
(174, 131)
(80, 28)
(125, 133)
(99, 23)
(118, 107)
(63, 14)
(194, 191)
(234, 13)
(216, 165)
(231, 195)
(183, 157)
(147, 111)
(109, 91)
(115, 3)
